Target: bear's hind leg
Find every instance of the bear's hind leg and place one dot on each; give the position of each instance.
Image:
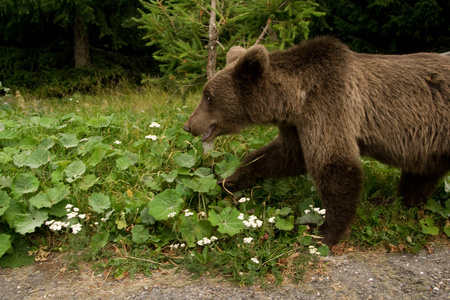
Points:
(417, 188)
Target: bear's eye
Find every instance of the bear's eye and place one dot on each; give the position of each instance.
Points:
(208, 98)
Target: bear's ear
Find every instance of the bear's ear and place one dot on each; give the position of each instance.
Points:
(253, 63)
(234, 53)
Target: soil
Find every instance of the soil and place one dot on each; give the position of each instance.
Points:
(354, 275)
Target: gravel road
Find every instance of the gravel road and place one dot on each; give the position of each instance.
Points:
(355, 275)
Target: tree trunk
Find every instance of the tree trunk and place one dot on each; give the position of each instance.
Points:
(81, 47)
(212, 45)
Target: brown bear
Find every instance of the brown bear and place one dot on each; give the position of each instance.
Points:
(333, 105)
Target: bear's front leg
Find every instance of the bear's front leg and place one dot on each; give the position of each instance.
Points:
(339, 186)
(282, 157)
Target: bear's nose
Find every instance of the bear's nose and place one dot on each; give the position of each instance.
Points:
(187, 128)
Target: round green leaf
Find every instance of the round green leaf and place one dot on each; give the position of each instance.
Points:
(140, 234)
(40, 200)
(164, 204)
(99, 202)
(47, 122)
(184, 160)
(5, 158)
(8, 134)
(27, 223)
(75, 170)
(285, 224)
(99, 122)
(24, 184)
(227, 221)
(98, 241)
(53, 196)
(46, 143)
(21, 158)
(127, 160)
(69, 140)
(38, 158)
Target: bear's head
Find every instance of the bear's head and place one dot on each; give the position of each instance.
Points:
(233, 96)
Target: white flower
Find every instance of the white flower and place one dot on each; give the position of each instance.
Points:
(253, 222)
(271, 220)
(48, 223)
(182, 245)
(76, 209)
(307, 211)
(151, 137)
(69, 206)
(213, 238)
(71, 215)
(117, 142)
(154, 124)
(241, 217)
(313, 250)
(188, 213)
(76, 228)
(243, 199)
(255, 260)
(82, 216)
(322, 211)
(96, 223)
(172, 214)
(56, 226)
(248, 240)
(206, 241)
(202, 213)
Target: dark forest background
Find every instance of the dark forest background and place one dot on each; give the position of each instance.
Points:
(54, 48)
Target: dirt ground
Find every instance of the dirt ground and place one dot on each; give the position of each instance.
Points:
(355, 275)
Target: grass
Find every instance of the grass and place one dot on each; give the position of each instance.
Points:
(144, 195)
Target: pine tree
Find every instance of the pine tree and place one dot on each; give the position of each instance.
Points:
(180, 30)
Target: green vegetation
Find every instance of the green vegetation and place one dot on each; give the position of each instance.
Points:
(114, 178)
(184, 45)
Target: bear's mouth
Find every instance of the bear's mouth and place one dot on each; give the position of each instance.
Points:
(208, 133)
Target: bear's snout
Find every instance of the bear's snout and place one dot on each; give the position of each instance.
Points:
(186, 128)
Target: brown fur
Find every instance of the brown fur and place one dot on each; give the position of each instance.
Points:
(331, 106)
